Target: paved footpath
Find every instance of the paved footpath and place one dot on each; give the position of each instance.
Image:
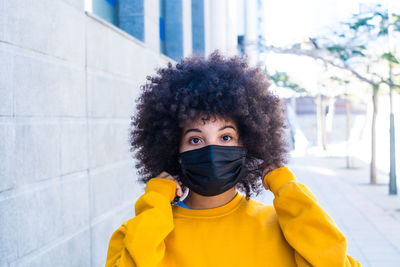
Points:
(366, 214)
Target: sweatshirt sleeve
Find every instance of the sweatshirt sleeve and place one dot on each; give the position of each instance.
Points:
(140, 240)
(309, 230)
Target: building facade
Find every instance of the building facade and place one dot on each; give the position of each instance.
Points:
(178, 28)
(70, 72)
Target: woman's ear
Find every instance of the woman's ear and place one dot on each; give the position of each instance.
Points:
(179, 160)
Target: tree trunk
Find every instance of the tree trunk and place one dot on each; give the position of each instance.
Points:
(323, 123)
(349, 159)
(318, 111)
(320, 122)
(373, 136)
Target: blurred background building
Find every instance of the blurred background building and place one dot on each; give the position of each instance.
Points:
(69, 74)
(181, 28)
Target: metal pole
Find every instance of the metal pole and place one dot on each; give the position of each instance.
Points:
(392, 173)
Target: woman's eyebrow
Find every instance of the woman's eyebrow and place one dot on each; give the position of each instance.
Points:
(227, 126)
(192, 130)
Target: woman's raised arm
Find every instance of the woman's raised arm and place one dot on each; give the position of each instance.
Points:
(140, 240)
(309, 230)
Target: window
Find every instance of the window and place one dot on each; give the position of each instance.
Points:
(163, 49)
(105, 9)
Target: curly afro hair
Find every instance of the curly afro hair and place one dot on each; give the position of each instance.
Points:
(210, 87)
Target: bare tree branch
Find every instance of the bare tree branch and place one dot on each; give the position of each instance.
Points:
(295, 50)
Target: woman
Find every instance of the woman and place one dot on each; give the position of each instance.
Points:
(211, 127)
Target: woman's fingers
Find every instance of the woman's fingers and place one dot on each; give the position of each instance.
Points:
(267, 170)
(166, 175)
(265, 185)
(179, 191)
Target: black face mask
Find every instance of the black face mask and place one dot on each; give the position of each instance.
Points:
(212, 170)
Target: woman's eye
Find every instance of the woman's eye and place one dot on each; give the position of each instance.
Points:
(194, 140)
(226, 138)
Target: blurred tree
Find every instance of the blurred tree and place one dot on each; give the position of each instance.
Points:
(282, 79)
(361, 47)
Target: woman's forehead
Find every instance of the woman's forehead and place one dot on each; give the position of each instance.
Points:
(214, 121)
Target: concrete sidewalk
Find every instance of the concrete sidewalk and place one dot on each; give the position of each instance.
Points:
(366, 214)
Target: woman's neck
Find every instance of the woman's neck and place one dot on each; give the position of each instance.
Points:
(196, 201)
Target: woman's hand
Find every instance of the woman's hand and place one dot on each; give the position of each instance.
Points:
(266, 171)
(166, 175)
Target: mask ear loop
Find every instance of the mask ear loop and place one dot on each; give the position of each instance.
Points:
(184, 188)
(185, 192)
(176, 199)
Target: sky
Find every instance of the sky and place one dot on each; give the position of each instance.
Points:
(291, 21)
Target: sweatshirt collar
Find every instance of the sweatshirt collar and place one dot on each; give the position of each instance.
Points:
(214, 212)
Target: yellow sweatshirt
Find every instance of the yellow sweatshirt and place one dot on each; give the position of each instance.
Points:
(295, 231)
